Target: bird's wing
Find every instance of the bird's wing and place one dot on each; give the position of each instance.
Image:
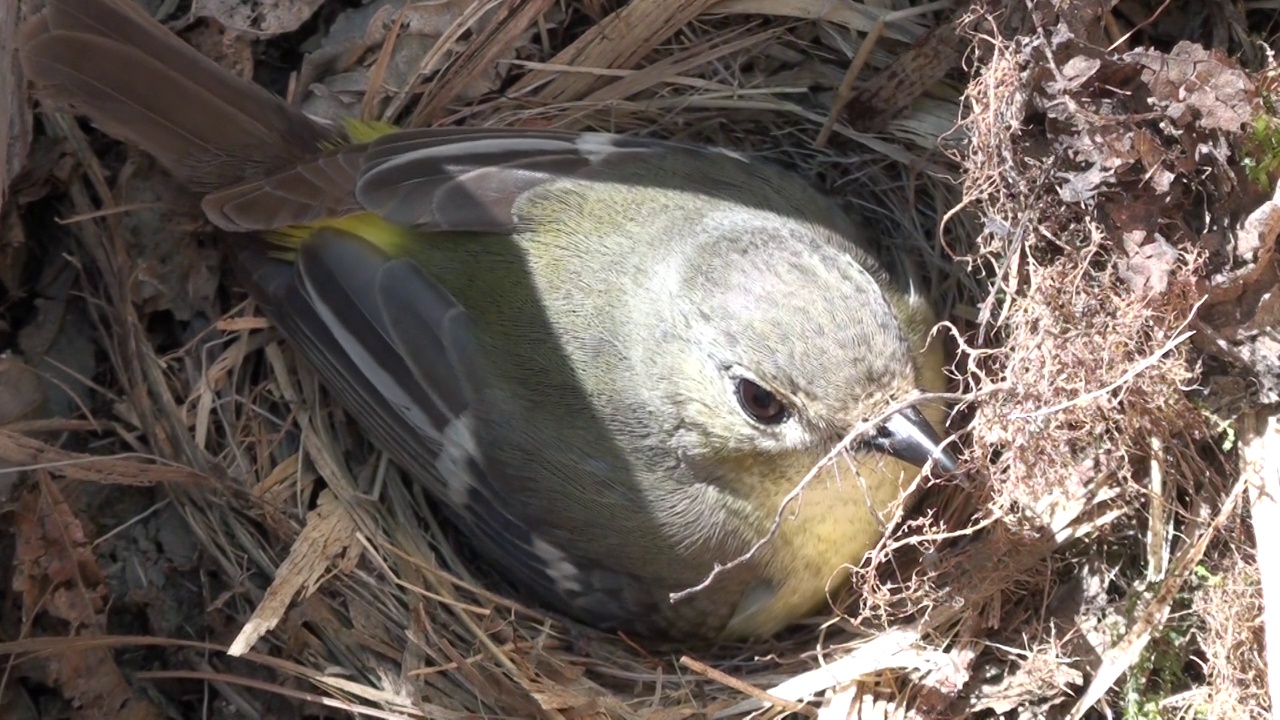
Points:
(471, 179)
(396, 350)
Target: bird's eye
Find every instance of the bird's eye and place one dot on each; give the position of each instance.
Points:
(760, 404)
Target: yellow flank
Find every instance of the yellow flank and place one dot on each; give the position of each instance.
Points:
(359, 132)
(393, 239)
(364, 131)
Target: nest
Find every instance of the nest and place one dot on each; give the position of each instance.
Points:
(196, 530)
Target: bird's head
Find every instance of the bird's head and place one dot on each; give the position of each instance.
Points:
(790, 337)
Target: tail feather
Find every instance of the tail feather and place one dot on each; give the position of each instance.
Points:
(139, 82)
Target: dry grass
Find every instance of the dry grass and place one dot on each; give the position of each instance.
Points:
(1065, 570)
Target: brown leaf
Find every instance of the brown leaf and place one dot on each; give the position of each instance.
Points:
(58, 572)
(1074, 74)
(172, 273)
(1150, 264)
(230, 50)
(14, 248)
(263, 19)
(1196, 84)
(1041, 677)
(57, 575)
(20, 393)
(1082, 186)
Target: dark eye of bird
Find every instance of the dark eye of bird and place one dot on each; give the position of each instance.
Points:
(760, 404)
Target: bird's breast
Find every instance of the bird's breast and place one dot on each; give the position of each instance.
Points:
(832, 522)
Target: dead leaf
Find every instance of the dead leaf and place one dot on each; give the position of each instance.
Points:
(172, 272)
(264, 19)
(1074, 74)
(1080, 187)
(230, 50)
(343, 70)
(13, 247)
(1150, 264)
(20, 393)
(1042, 676)
(57, 575)
(58, 343)
(1201, 85)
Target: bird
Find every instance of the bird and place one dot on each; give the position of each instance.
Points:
(608, 359)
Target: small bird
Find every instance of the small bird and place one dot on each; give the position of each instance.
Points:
(608, 359)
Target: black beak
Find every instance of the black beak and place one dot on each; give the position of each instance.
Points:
(909, 437)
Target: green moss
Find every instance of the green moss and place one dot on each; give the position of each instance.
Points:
(1262, 150)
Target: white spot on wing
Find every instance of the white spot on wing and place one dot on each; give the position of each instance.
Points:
(561, 570)
(458, 447)
(596, 146)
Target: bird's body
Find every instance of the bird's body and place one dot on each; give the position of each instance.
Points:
(660, 506)
(610, 359)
